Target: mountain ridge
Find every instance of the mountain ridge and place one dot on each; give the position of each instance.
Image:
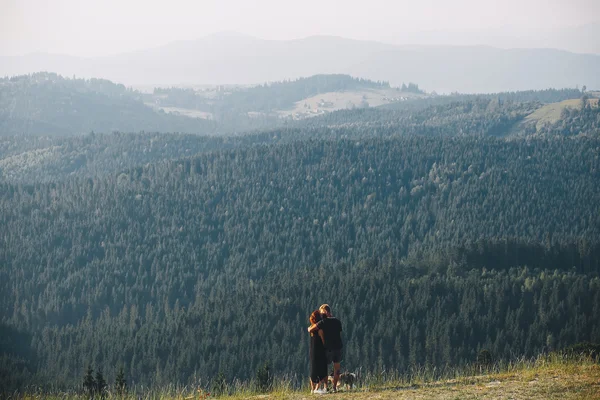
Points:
(242, 59)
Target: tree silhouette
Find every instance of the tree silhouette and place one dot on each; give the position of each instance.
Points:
(484, 358)
(100, 384)
(264, 378)
(89, 384)
(120, 382)
(219, 384)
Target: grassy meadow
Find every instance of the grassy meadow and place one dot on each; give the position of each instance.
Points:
(546, 377)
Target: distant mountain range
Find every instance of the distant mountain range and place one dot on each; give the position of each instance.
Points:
(576, 39)
(234, 58)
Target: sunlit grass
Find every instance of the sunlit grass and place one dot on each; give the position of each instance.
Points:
(553, 376)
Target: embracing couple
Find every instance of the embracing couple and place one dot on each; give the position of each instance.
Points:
(325, 348)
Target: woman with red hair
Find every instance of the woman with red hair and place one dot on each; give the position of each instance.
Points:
(318, 358)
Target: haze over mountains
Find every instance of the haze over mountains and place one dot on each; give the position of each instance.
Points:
(575, 39)
(235, 58)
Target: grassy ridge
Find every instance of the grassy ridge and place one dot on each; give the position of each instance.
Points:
(551, 113)
(545, 377)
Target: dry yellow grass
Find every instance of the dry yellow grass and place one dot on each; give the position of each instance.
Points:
(552, 378)
(554, 381)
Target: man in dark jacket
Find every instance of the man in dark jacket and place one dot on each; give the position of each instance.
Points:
(332, 329)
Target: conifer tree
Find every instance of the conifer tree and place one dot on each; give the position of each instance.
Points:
(264, 378)
(89, 384)
(100, 384)
(219, 384)
(484, 359)
(120, 382)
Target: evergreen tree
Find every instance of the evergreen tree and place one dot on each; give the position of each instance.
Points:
(100, 384)
(264, 378)
(484, 358)
(120, 382)
(89, 384)
(218, 384)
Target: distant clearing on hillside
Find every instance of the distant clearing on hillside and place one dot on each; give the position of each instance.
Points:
(333, 101)
(551, 113)
(184, 112)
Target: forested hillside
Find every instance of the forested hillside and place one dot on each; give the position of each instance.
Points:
(43, 159)
(583, 119)
(40, 159)
(261, 98)
(526, 96)
(48, 104)
(51, 105)
(281, 95)
(47, 158)
(429, 249)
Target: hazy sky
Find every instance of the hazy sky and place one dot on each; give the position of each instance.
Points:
(103, 27)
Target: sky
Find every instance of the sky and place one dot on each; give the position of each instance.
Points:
(105, 27)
